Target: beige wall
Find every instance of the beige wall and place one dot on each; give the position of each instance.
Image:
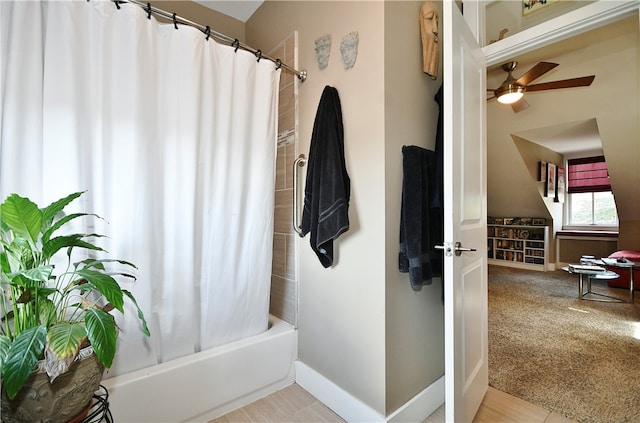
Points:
(529, 154)
(204, 16)
(414, 321)
(341, 309)
(610, 53)
(360, 324)
(507, 14)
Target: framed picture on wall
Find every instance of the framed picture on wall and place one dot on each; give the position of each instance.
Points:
(560, 185)
(542, 171)
(550, 184)
(529, 6)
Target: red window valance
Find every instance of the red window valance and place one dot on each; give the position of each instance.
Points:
(588, 174)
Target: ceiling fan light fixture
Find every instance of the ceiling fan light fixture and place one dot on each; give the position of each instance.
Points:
(509, 94)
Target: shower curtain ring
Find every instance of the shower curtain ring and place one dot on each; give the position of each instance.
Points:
(117, 4)
(175, 21)
(235, 44)
(207, 31)
(278, 63)
(148, 10)
(259, 55)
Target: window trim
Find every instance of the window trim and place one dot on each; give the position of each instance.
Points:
(594, 227)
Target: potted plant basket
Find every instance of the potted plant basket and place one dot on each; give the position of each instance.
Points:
(57, 333)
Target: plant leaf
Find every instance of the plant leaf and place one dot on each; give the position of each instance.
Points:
(22, 216)
(56, 244)
(145, 329)
(99, 264)
(64, 339)
(47, 311)
(49, 212)
(4, 259)
(106, 285)
(101, 330)
(46, 234)
(23, 354)
(19, 255)
(5, 343)
(63, 344)
(38, 274)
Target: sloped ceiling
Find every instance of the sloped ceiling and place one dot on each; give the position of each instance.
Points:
(558, 119)
(566, 138)
(562, 137)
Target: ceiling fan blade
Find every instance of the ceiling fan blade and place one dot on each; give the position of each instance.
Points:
(583, 81)
(520, 105)
(536, 72)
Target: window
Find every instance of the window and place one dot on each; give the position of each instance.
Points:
(592, 208)
(590, 200)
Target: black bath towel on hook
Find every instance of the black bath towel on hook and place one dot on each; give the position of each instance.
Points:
(328, 187)
(416, 216)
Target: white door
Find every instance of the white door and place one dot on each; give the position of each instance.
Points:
(465, 280)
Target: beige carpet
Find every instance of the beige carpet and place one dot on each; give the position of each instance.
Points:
(580, 359)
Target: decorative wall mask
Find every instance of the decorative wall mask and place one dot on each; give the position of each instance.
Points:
(349, 49)
(430, 42)
(323, 50)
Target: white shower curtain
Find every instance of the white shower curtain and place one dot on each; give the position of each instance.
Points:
(172, 136)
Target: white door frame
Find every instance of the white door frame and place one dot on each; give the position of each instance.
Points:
(570, 24)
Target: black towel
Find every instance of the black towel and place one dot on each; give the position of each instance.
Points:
(416, 243)
(328, 187)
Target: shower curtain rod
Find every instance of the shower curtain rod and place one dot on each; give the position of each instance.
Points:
(234, 42)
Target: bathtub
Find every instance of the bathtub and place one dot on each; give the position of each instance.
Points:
(210, 383)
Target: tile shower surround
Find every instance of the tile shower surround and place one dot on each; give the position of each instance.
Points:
(284, 286)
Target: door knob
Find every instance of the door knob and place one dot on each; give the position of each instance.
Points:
(457, 249)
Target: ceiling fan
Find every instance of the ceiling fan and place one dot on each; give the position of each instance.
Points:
(512, 90)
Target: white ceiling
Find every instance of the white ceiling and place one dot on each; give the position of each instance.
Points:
(567, 138)
(239, 9)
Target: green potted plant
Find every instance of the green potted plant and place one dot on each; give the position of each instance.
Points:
(52, 311)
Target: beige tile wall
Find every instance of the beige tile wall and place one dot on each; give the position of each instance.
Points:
(283, 279)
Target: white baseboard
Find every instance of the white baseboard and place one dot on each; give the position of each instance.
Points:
(352, 409)
(421, 406)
